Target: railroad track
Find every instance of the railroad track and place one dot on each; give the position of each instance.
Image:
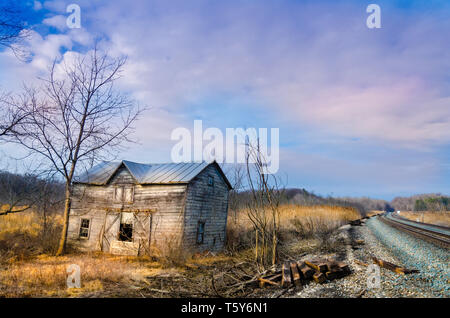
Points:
(438, 235)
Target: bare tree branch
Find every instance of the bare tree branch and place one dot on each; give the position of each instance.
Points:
(75, 116)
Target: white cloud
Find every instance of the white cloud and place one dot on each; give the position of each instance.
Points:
(57, 21)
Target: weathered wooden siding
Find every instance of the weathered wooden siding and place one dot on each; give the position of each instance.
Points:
(157, 206)
(163, 214)
(207, 204)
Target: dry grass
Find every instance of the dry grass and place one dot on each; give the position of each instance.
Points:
(46, 275)
(296, 222)
(438, 218)
(372, 213)
(22, 235)
(103, 275)
(311, 217)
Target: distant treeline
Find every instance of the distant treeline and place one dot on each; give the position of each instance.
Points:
(17, 190)
(420, 202)
(433, 204)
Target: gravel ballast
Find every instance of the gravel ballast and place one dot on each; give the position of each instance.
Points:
(389, 244)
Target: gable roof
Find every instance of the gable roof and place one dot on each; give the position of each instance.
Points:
(155, 173)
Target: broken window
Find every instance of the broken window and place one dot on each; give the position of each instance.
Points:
(200, 232)
(126, 227)
(84, 228)
(126, 232)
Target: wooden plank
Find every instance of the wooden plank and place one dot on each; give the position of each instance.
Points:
(319, 277)
(332, 266)
(305, 271)
(392, 267)
(357, 261)
(273, 277)
(286, 275)
(319, 267)
(331, 275)
(355, 222)
(263, 281)
(295, 275)
(344, 268)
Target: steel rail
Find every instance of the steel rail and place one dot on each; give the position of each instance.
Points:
(436, 237)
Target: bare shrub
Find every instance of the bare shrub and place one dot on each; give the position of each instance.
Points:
(172, 253)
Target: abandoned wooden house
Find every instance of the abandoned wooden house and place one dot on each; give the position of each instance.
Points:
(130, 208)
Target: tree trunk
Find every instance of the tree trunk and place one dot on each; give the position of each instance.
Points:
(63, 239)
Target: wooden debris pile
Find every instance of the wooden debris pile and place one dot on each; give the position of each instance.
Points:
(299, 273)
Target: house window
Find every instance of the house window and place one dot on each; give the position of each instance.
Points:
(124, 194)
(128, 194)
(84, 228)
(126, 232)
(211, 181)
(200, 232)
(118, 194)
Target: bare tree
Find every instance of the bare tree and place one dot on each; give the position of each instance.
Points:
(10, 116)
(13, 27)
(75, 117)
(263, 208)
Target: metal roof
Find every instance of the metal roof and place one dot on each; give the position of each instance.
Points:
(158, 173)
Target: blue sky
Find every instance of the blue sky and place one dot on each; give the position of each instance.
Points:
(360, 111)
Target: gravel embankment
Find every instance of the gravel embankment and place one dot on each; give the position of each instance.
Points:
(432, 261)
(391, 245)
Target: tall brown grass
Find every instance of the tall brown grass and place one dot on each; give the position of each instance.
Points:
(23, 234)
(302, 221)
(431, 217)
